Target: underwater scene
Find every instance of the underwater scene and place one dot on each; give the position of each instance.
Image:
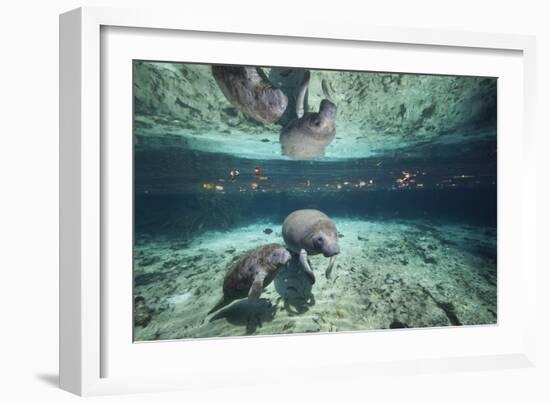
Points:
(274, 200)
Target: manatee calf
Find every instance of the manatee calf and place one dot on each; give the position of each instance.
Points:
(252, 273)
(311, 232)
(306, 137)
(249, 90)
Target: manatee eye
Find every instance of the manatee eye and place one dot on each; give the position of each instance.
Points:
(319, 239)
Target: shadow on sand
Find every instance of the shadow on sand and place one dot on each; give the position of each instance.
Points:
(294, 287)
(245, 313)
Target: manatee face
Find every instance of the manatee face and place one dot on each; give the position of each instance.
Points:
(306, 138)
(326, 243)
(311, 230)
(280, 256)
(327, 111)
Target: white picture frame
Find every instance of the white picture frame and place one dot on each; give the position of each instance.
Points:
(91, 357)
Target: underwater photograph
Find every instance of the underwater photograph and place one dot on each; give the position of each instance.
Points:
(275, 200)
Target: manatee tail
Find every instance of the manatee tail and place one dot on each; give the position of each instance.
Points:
(224, 301)
(328, 271)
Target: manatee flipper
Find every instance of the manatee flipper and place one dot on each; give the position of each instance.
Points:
(300, 108)
(306, 266)
(257, 286)
(224, 301)
(254, 317)
(328, 271)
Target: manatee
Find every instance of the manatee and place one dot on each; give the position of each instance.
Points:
(252, 273)
(311, 232)
(250, 91)
(306, 137)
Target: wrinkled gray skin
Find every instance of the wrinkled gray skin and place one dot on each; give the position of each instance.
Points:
(311, 232)
(249, 90)
(305, 138)
(252, 273)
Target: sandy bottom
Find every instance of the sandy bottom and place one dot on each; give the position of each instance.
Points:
(389, 274)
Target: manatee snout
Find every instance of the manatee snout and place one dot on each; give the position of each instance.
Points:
(327, 110)
(327, 245)
(331, 250)
(280, 256)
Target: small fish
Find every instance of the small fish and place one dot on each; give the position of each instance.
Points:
(268, 231)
